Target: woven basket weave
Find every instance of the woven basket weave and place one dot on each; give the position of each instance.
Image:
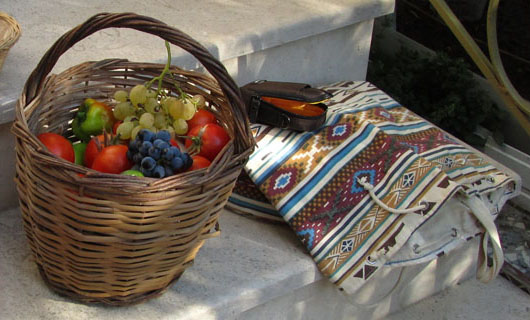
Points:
(9, 34)
(110, 238)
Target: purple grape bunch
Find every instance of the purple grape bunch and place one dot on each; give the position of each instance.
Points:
(154, 156)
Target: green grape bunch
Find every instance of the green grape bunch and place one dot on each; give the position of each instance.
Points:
(144, 107)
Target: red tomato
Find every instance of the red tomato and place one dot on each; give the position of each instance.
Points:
(92, 150)
(174, 143)
(209, 139)
(201, 117)
(112, 159)
(199, 163)
(116, 125)
(58, 145)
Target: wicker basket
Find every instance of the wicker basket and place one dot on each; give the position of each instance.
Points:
(110, 238)
(9, 34)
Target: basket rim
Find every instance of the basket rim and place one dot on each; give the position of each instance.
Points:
(11, 33)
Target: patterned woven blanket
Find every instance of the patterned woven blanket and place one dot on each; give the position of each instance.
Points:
(317, 182)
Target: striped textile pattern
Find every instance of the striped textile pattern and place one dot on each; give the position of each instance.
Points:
(310, 180)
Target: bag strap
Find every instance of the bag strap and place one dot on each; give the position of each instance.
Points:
(479, 209)
(370, 188)
(486, 273)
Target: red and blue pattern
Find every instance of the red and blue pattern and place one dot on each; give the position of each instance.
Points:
(311, 178)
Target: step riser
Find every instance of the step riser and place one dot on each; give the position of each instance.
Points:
(336, 55)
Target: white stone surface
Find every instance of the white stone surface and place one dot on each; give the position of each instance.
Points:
(228, 28)
(392, 290)
(251, 262)
(257, 270)
(320, 59)
(472, 300)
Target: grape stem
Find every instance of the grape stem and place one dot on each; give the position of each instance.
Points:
(183, 95)
(160, 78)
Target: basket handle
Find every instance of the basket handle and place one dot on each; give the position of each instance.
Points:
(148, 25)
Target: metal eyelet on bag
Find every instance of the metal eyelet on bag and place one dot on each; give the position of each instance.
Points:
(371, 260)
(425, 205)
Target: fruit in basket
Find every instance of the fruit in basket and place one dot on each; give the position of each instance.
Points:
(123, 109)
(58, 145)
(79, 151)
(121, 96)
(207, 140)
(199, 101)
(115, 126)
(180, 126)
(155, 156)
(156, 110)
(132, 172)
(91, 119)
(199, 162)
(202, 116)
(174, 143)
(151, 118)
(112, 159)
(124, 130)
(96, 145)
(188, 110)
(138, 95)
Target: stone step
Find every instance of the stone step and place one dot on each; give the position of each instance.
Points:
(254, 270)
(249, 264)
(257, 270)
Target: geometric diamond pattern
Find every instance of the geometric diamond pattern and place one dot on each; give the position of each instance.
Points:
(347, 246)
(408, 179)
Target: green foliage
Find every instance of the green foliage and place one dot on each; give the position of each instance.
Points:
(440, 89)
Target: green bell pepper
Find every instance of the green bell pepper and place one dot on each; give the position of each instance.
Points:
(91, 119)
